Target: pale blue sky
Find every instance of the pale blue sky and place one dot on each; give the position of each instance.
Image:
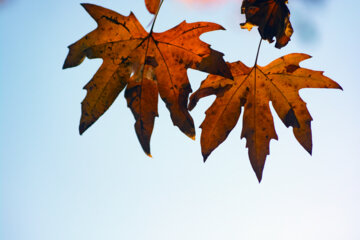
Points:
(55, 184)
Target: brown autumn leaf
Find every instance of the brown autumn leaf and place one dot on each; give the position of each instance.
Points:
(253, 89)
(152, 5)
(148, 64)
(272, 17)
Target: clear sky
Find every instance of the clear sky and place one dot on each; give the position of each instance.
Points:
(56, 184)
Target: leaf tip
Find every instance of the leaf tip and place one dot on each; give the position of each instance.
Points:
(66, 65)
(205, 156)
(246, 25)
(309, 151)
(221, 28)
(86, 5)
(259, 176)
(339, 87)
(85, 123)
(307, 56)
(191, 135)
(131, 14)
(82, 129)
(258, 169)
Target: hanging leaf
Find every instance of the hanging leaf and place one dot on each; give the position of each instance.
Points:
(147, 64)
(272, 17)
(253, 89)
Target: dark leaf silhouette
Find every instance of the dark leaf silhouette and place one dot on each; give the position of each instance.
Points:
(147, 64)
(272, 17)
(253, 89)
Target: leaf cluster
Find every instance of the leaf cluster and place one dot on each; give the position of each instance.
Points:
(149, 64)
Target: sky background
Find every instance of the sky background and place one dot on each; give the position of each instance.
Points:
(56, 184)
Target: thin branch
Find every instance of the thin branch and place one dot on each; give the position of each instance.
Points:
(257, 54)
(157, 12)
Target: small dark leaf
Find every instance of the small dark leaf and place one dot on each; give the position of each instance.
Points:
(272, 17)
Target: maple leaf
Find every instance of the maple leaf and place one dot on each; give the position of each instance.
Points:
(272, 17)
(253, 89)
(147, 64)
(152, 5)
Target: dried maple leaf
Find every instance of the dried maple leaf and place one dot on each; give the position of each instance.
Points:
(253, 89)
(148, 64)
(272, 17)
(152, 5)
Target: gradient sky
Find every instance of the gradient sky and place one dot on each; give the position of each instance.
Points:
(56, 184)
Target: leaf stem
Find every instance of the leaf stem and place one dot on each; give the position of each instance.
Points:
(257, 54)
(157, 12)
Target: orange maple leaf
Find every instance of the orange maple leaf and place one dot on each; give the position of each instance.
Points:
(253, 89)
(272, 17)
(148, 64)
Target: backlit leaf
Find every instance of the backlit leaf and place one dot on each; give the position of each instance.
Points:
(253, 89)
(147, 64)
